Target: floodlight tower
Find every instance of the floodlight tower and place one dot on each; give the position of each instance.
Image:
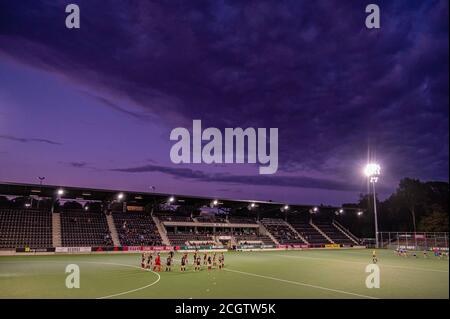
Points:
(373, 171)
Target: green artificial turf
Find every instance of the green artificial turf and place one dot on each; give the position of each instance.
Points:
(276, 274)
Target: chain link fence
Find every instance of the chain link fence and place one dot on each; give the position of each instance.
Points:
(413, 241)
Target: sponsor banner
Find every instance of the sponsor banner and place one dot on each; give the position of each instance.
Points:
(147, 248)
(299, 246)
(135, 208)
(332, 246)
(34, 250)
(73, 249)
(201, 247)
(106, 248)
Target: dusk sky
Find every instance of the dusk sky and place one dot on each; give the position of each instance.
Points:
(94, 106)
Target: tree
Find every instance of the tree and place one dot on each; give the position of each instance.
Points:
(437, 221)
(410, 194)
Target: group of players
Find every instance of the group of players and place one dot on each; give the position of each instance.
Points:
(436, 252)
(404, 253)
(210, 261)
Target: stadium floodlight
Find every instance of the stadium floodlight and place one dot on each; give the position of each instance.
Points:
(215, 202)
(341, 211)
(60, 192)
(372, 169)
(359, 213)
(86, 207)
(171, 199)
(314, 210)
(372, 172)
(120, 196)
(27, 205)
(286, 207)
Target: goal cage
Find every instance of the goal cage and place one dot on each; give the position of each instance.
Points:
(413, 240)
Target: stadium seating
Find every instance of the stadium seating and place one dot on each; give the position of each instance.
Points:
(168, 217)
(23, 228)
(333, 233)
(84, 229)
(136, 229)
(311, 235)
(180, 239)
(281, 231)
(210, 219)
(245, 238)
(241, 220)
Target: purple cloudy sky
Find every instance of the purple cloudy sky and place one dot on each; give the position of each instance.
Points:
(94, 107)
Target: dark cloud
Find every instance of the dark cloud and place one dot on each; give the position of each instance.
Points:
(261, 180)
(28, 140)
(310, 68)
(77, 164)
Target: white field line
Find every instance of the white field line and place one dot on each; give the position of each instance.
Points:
(362, 263)
(113, 264)
(294, 283)
(300, 284)
(132, 290)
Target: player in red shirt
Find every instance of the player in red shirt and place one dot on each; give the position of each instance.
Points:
(157, 263)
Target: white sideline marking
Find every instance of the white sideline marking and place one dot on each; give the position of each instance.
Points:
(362, 263)
(132, 290)
(301, 283)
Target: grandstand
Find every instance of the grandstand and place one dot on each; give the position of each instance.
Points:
(131, 224)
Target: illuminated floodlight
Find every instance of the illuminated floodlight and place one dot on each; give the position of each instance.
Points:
(372, 170)
(359, 213)
(60, 192)
(315, 209)
(286, 207)
(252, 205)
(341, 211)
(120, 196)
(27, 205)
(171, 199)
(215, 202)
(86, 207)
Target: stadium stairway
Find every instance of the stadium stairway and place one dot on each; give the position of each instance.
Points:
(296, 232)
(266, 232)
(321, 232)
(162, 231)
(56, 230)
(345, 231)
(113, 230)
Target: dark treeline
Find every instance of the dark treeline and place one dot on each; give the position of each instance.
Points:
(414, 206)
